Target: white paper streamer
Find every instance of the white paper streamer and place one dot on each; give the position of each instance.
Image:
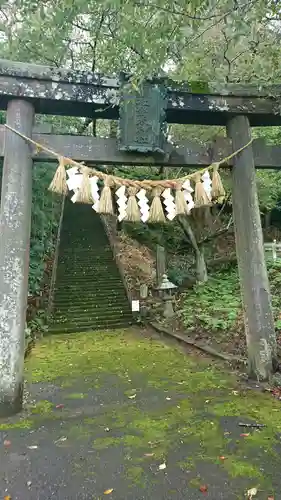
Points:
(169, 203)
(187, 190)
(122, 203)
(207, 183)
(74, 182)
(74, 197)
(143, 203)
(72, 171)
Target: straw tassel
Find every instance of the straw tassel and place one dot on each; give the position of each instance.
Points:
(133, 211)
(84, 194)
(218, 190)
(106, 202)
(181, 205)
(200, 195)
(156, 210)
(58, 184)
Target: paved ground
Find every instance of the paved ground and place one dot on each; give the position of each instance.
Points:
(125, 417)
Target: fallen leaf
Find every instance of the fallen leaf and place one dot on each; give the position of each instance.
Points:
(61, 440)
(252, 493)
(243, 435)
(7, 443)
(149, 454)
(8, 497)
(162, 466)
(107, 492)
(203, 488)
(33, 447)
(60, 406)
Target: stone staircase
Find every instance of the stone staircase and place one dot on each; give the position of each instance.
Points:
(89, 292)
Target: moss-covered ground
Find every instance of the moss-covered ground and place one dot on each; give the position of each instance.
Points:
(122, 411)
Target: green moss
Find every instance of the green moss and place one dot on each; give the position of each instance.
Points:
(186, 464)
(59, 357)
(258, 408)
(186, 421)
(195, 482)
(106, 442)
(135, 474)
(199, 87)
(21, 424)
(42, 407)
(76, 395)
(239, 468)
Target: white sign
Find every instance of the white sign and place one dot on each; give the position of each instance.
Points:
(135, 305)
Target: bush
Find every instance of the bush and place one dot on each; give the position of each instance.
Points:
(216, 305)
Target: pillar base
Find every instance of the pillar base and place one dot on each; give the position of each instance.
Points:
(11, 405)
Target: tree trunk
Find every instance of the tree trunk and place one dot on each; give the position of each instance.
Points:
(267, 219)
(201, 268)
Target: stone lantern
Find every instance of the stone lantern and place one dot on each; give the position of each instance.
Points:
(166, 291)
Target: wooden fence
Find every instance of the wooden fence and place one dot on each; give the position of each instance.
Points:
(273, 250)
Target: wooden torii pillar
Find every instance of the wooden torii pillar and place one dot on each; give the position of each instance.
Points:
(15, 221)
(258, 315)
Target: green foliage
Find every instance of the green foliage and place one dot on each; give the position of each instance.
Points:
(216, 305)
(177, 273)
(269, 189)
(44, 222)
(167, 235)
(202, 40)
(45, 218)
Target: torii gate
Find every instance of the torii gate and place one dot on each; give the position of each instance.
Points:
(26, 89)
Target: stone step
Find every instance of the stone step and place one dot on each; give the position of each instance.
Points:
(94, 267)
(89, 292)
(92, 288)
(84, 245)
(88, 271)
(101, 318)
(72, 281)
(96, 256)
(92, 310)
(90, 298)
(71, 328)
(87, 266)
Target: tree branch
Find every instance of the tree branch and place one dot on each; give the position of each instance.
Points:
(88, 121)
(212, 236)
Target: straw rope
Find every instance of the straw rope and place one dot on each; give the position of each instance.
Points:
(130, 183)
